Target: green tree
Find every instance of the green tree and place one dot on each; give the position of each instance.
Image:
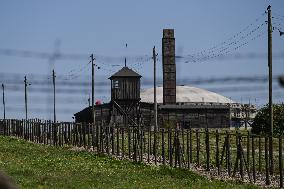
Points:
(261, 123)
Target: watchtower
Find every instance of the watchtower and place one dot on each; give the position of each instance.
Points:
(125, 97)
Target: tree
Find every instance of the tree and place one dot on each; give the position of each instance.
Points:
(261, 122)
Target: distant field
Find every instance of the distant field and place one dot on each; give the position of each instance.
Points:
(39, 166)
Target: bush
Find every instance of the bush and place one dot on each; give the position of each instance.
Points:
(261, 124)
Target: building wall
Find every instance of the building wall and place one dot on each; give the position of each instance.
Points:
(185, 116)
(194, 115)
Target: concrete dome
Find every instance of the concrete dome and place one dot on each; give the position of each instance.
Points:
(185, 94)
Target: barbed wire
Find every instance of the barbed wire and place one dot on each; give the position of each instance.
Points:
(39, 80)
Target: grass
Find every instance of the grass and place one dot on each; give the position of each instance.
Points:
(38, 166)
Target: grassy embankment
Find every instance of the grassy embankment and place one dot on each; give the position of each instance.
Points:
(39, 166)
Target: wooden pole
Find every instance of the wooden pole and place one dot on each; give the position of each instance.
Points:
(26, 103)
(53, 81)
(269, 29)
(155, 92)
(93, 84)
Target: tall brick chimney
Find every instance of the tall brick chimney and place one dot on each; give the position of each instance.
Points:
(169, 67)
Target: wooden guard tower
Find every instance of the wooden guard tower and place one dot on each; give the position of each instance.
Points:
(125, 97)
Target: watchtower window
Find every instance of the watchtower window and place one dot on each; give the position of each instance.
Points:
(116, 84)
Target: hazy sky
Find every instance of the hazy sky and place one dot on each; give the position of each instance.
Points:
(103, 28)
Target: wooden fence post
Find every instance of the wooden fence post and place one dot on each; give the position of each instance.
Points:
(97, 136)
(183, 146)
(197, 147)
(155, 146)
(163, 146)
(122, 142)
(81, 134)
(117, 142)
(217, 152)
(54, 133)
(101, 137)
(149, 144)
(134, 144)
(69, 140)
(107, 139)
(259, 154)
(177, 149)
(253, 159)
(280, 161)
(241, 159)
(170, 147)
(207, 150)
(141, 143)
(129, 142)
(190, 145)
(187, 149)
(267, 180)
(112, 140)
(248, 151)
(59, 132)
(228, 154)
(88, 135)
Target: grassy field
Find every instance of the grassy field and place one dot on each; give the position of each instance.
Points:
(39, 166)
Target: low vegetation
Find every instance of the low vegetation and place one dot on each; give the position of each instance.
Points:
(38, 166)
(261, 124)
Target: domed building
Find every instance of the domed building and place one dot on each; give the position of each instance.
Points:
(185, 95)
(194, 107)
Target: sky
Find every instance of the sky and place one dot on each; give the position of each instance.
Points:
(71, 27)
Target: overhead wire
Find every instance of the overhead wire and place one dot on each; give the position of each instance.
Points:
(228, 48)
(226, 42)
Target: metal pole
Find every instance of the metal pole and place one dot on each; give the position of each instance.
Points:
(3, 88)
(53, 79)
(26, 103)
(270, 87)
(155, 94)
(93, 83)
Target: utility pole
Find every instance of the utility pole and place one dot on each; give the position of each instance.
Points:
(270, 87)
(4, 101)
(26, 99)
(155, 94)
(93, 83)
(53, 80)
(51, 64)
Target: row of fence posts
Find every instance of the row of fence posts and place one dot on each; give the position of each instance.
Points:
(213, 150)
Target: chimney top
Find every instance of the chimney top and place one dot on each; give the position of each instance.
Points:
(168, 33)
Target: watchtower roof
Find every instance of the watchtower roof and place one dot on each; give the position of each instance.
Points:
(125, 72)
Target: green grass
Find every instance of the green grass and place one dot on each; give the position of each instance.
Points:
(38, 166)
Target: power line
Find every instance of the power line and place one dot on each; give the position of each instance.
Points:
(232, 39)
(224, 50)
